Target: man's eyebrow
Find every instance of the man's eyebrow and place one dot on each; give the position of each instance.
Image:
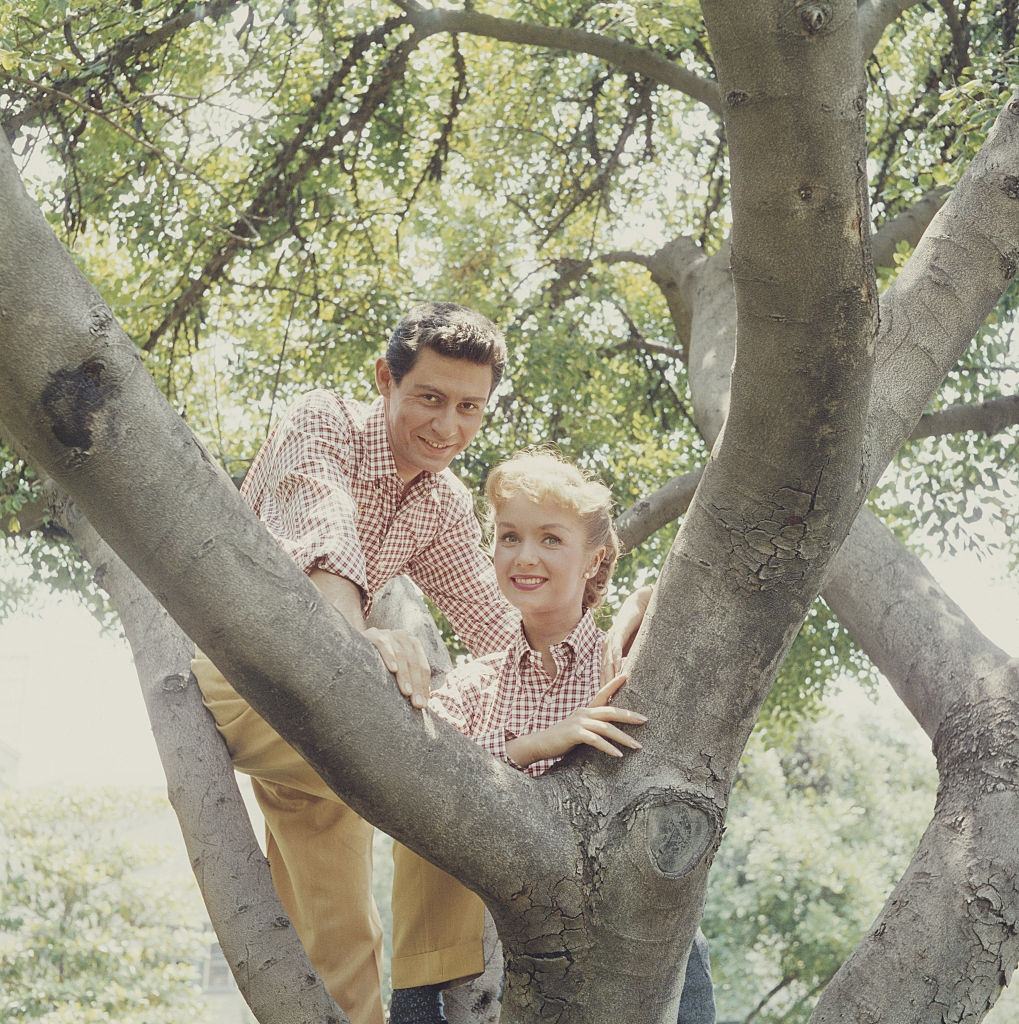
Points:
(436, 390)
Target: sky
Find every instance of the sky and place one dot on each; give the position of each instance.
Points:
(71, 708)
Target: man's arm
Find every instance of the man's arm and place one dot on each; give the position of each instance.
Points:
(401, 652)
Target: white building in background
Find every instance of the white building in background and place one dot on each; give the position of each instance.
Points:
(219, 990)
(8, 766)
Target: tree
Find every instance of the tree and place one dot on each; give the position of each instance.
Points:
(361, 123)
(81, 938)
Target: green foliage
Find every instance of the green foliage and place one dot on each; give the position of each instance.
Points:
(85, 936)
(253, 247)
(820, 827)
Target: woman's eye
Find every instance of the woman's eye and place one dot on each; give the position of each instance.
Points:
(508, 538)
(469, 407)
(551, 540)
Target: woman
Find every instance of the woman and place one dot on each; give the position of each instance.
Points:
(554, 552)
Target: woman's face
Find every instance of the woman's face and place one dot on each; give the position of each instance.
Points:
(542, 559)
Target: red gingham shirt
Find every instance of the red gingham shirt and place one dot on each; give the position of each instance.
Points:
(325, 484)
(502, 696)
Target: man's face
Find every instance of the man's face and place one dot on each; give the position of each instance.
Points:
(433, 413)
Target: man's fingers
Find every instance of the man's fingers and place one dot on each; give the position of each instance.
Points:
(608, 691)
(421, 672)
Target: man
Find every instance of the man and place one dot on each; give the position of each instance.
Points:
(357, 497)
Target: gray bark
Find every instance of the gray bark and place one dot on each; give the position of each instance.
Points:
(616, 52)
(990, 417)
(907, 226)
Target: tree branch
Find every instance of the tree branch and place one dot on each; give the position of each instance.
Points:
(620, 54)
(266, 957)
(990, 417)
(128, 49)
(292, 163)
(649, 514)
(874, 17)
(951, 283)
(907, 226)
(955, 908)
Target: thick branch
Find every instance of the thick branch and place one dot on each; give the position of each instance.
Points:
(262, 949)
(127, 50)
(930, 651)
(951, 283)
(990, 417)
(779, 492)
(875, 16)
(907, 226)
(620, 54)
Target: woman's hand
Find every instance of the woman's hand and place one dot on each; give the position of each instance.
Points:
(623, 632)
(591, 725)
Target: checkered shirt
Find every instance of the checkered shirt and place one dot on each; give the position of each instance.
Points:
(502, 696)
(325, 485)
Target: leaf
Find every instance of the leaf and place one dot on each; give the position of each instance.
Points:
(9, 60)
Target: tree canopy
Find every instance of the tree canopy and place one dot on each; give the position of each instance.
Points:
(261, 189)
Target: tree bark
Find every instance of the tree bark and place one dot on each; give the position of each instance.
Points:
(990, 417)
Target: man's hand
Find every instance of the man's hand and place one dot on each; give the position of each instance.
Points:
(405, 657)
(623, 631)
(591, 725)
(401, 653)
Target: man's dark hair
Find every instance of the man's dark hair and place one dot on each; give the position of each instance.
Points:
(450, 330)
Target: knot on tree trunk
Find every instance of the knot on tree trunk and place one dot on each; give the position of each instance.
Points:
(977, 748)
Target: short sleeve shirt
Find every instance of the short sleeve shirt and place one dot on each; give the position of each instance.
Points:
(502, 696)
(325, 485)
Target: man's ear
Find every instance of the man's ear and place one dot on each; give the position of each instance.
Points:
(383, 377)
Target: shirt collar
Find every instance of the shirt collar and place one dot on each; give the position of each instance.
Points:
(582, 637)
(379, 462)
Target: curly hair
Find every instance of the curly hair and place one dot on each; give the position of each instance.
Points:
(542, 474)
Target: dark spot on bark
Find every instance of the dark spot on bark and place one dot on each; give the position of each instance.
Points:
(1010, 186)
(860, 105)
(1013, 105)
(281, 922)
(806, 193)
(100, 320)
(174, 683)
(814, 17)
(73, 399)
(1009, 263)
(736, 97)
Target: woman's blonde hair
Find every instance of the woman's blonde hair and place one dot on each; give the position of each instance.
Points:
(542, 474)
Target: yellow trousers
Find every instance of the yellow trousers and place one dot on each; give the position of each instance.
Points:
(319, 853)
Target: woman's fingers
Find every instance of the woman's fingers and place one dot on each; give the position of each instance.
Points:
(608, 691)
(611, 732)
(613, 714)
(592, 739)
